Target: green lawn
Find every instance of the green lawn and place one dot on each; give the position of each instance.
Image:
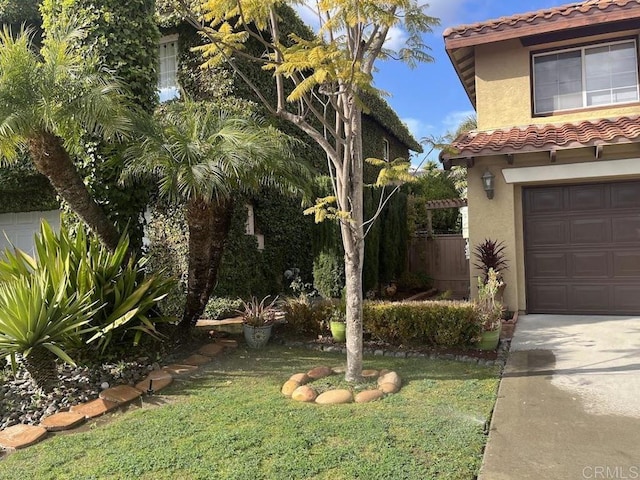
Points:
(231, 422)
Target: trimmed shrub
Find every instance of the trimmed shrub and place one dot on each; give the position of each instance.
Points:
(307, 317)
(434, 323)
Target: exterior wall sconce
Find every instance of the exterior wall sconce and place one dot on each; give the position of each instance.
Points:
(488, 183)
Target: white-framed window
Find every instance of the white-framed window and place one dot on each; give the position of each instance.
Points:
(385, 150)
(584, 77)
(168, 87)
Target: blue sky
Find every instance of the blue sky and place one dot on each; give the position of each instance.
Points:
(430, 98)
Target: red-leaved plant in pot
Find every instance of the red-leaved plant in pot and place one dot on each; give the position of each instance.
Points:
(490, 254)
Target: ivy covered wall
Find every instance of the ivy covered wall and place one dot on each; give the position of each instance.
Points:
(289, 235)
(122, 36)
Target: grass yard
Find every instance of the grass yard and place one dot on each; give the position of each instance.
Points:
(231, 422)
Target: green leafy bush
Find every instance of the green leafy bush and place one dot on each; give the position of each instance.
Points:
(111, 280)
(433, 323)
(222, 307)
(307, 317)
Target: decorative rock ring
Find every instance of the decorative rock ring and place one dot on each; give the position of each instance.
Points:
(297, 387)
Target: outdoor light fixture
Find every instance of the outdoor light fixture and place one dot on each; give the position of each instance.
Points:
(487, 183)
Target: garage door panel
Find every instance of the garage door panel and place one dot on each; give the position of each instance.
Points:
(583, 255)
(587, 197)
(589, 231)
(548, 265)
(589, 298)
(626, 264)
(547, 200)
(18, 229)
(551, 298)
(548, 232)
(625, 229)
(589, 265)
(625, 195)
(626, 298)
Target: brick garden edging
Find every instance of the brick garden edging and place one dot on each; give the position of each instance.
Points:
(21, 435)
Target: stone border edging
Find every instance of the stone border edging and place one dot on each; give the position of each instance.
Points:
(503, 350)
(22, 435)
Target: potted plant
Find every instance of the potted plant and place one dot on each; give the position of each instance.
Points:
(257, 320)
(490, 256)
(490, 310)
(338, 325)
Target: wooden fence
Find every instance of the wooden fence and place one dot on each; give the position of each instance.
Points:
(442, 257)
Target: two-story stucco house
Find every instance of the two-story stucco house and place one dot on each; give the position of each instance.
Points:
(554, 166)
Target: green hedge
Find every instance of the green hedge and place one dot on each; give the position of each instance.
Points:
(433, 323)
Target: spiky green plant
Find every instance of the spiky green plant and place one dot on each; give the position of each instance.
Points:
(114, 281)
(39, 320)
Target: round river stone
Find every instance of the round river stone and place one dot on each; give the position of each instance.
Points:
(369, 396)
(319, 372)
(304, 394)
(288, 387)
(333, 397)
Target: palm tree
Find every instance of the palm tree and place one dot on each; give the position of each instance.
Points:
(203, 158)
(49, 100)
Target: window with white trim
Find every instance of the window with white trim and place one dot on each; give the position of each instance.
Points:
(168, 87)
(385, 149)
(590, 76)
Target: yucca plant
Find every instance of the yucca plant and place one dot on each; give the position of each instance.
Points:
(118, 282)
(39, 321)
(114, 281)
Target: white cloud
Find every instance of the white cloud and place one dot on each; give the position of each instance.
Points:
(307, 13)
(417, 127)
(396, 39)
(452, 120)
(450, 12)
(420, 129)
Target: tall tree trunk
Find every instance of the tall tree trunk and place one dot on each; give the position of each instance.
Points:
(53, 161)
(353, 242)
(209, 224)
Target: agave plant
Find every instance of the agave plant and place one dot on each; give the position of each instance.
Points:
(39, 320)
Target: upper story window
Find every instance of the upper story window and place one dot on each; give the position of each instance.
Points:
(385, 149)
(168, 69)
(590, 76)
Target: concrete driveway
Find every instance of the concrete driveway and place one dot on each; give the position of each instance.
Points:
(569, 401)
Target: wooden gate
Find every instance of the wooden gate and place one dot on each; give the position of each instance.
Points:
(442, 257)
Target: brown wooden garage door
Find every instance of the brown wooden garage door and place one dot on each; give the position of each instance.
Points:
(582, 248)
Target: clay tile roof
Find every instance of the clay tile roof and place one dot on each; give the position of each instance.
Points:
(534, 138)
(538, 17)
(446, 203)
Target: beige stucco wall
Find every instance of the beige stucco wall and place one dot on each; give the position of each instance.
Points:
(493, 219)
(501, 218)
(503, 87)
